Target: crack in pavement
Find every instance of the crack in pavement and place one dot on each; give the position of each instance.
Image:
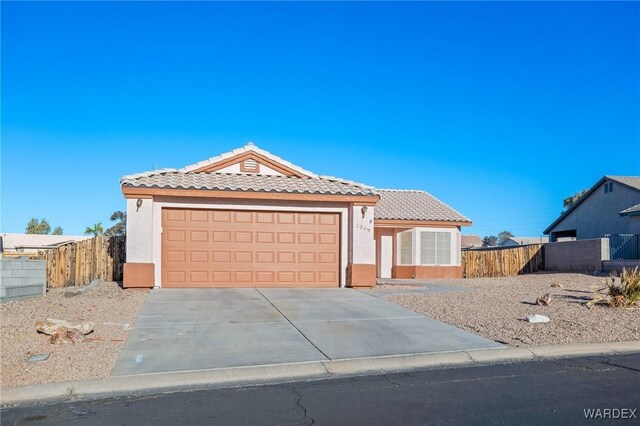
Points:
(299, 404)
(388, 379)
(624, 367)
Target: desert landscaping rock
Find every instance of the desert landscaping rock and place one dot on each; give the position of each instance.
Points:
(91, 359)
(496, 307)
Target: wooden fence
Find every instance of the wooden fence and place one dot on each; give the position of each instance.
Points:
(78, 263)
(503, 261)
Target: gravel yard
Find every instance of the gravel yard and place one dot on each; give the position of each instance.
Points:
(112, 310)
(495, 308)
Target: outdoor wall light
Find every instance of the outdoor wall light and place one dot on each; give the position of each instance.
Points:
(138, 204)
(364, 211)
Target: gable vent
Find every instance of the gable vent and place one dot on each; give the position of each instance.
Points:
(250, 165)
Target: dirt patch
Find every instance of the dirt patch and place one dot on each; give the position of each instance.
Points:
(108, 306)
(495, 308)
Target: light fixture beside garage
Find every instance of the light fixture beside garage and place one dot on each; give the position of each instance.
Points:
(138, 204)
(364, 211)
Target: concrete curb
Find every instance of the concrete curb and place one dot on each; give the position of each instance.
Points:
(126, 385)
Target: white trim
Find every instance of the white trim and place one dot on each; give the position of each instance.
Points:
(230, 205)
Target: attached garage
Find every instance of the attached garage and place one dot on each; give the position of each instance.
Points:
(244, 248)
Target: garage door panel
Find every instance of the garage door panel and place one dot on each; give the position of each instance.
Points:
(243, 237)
(176, 236)
(243, 217)
(226, 248)
(221, 236)
(243, 257)
(265, 237)
(306, 277)
(265, 257)
(306, 238)
(175, 256)
(286, 237)
(306, 218)
(221, 257)
(199, 216)
(199, 257)
(243, 277)
(221, 217)
(198, 277)
(199, 236)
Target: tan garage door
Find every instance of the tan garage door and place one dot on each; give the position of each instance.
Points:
(231, 248)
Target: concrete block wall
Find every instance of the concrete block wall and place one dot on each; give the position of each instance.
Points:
(576, 256)
(21, 278)
(617, 265)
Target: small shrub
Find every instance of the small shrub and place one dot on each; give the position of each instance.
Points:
(624, 293)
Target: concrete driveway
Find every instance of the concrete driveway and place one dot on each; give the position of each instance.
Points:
(192, 329)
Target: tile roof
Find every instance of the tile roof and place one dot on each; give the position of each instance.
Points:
(249, 147)
(172, 179)
(398, 204)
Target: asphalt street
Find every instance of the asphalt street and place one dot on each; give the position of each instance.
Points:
(537, 392)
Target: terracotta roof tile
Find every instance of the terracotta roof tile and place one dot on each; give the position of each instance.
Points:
(414, 205)
(243, 182)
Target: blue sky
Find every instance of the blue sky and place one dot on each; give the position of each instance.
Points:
(499, 109)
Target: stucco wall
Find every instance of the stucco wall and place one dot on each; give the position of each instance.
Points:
(139, 231)
(364, 248)
(576, 256)
(22, 278)
(599, 214)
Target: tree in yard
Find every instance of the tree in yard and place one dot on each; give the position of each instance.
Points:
(95, 230)
(571, 200)
(120, 228)
(57, 231)
(36, 226)
(489, 241)
(503, 236)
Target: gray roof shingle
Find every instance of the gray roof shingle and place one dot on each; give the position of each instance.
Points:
(243, 182)
(414, 205)
(632, 209)
(632, 181)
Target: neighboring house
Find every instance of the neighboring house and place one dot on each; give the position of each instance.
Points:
(248, 218)
(31, 243)
(521, 241)
(470, 241)
(611, 206)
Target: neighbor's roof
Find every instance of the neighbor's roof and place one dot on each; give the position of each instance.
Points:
(397, 204)
(13, 241)
(631, 210)
(632, 182)
(244, 182)
(467, 241)
(529, 240)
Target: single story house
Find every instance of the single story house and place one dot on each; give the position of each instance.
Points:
(471, 241)
(248, 218)
(521, 241)
(32, 243)
(611, 206)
